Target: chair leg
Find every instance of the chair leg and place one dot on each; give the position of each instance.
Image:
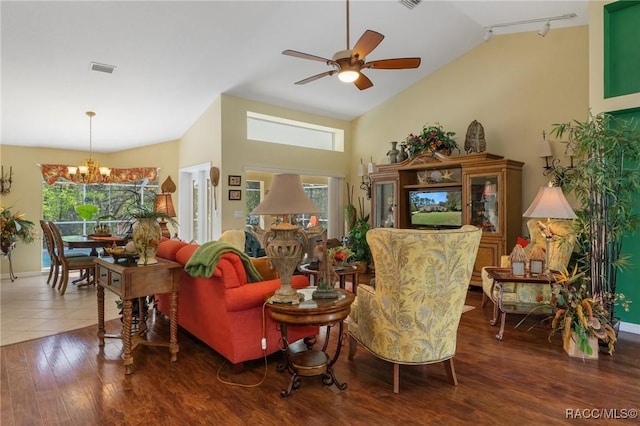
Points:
(451, 371)
(50, 274)
(353, 345)
(484, 299)
(65, 280)
(56, 275)
(396, 378)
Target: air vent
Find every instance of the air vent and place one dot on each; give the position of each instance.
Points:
(95, 66)
(410, 3)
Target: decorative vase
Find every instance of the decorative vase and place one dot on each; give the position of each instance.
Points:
(402, 154)
(349, 218)
(572, 348)
(146, 237)
(393, 153)
(6, 245)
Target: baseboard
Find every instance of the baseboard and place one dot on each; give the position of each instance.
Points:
(24, 274)
(630, 327)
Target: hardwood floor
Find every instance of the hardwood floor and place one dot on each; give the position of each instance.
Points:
(67, 380)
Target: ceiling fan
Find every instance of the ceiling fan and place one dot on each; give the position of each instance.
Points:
(349, 63)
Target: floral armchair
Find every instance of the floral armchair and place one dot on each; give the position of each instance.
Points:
(412, 315)
(560, 251)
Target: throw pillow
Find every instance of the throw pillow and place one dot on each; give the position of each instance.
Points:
(263, 266)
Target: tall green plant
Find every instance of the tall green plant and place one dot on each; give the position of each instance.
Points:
(605, 179)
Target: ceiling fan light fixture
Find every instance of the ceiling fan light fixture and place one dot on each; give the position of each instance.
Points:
(348, 76)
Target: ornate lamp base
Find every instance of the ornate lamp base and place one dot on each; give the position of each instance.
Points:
(291, 299)
(283, 244)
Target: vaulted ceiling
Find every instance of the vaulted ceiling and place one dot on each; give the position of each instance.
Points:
(174, 58)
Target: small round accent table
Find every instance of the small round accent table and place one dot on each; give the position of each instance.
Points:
(342, 272)
(310, 312)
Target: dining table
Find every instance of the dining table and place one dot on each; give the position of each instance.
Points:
(94, 242)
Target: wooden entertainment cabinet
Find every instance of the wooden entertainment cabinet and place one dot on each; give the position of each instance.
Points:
(485, 188)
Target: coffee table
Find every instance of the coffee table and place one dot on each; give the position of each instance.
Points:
(503, 276)
(310, 312)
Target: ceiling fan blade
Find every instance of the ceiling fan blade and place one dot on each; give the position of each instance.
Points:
(316, 77)
(393, 64)
(301, 55)
(369, 41)
(363, 82)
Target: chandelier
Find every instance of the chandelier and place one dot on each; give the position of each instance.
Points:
(90, 172)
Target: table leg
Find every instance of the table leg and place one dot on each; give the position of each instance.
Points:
(343, 281)
(503, 316)
(12, 276)
(330, 377)
(126, 336)
(100, 293)
(173, 320)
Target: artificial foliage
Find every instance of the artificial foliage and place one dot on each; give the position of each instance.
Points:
(605, 180)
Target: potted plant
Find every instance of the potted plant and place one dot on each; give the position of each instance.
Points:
(432, 139)
(358, 239)
(88, 211)
(14, 227)
(581, 316)
(604, 180)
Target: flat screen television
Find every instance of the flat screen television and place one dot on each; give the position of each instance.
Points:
(435, 208)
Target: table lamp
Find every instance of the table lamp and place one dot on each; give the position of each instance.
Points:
(164, 204)
(550, 203)
(284, 242)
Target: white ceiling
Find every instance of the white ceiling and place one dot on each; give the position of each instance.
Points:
(174, 58)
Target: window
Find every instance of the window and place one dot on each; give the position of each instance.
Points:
(113, 202)
(267, 128)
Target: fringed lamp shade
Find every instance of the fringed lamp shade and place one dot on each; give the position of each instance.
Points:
(284, 242)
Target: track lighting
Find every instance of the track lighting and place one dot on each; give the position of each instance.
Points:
(488, 34)
(543, 31)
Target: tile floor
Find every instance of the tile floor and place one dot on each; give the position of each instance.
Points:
(30, 309)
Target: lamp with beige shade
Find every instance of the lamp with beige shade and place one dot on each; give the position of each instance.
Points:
(284, 242)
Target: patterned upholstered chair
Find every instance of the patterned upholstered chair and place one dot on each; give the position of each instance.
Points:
(412, 315)
(559, 255)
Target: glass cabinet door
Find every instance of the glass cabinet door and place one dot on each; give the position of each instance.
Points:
(484, 192)
(384, 202)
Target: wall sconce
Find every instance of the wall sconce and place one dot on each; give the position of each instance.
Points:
(551, 163)
(5, 181)
(365, 179)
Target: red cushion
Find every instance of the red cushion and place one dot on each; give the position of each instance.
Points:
(168, 249)
(184, 254)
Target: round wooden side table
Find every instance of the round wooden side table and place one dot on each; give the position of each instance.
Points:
(310, 312)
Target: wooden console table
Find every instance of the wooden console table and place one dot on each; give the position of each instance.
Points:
(501, 276)
(310, 312)
(130, 281)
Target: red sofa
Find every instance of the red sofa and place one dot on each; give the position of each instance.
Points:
(225, 311)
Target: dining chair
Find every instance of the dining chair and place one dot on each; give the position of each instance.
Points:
(54, 269)
(68, 263)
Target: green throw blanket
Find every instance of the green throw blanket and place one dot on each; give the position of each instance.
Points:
(204, 260)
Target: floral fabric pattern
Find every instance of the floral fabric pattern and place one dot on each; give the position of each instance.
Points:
(422, 276)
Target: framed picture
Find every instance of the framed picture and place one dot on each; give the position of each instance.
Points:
(235, 194)
(234, 181)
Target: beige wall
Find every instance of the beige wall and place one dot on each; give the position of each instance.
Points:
(26, 191)
(515, 85)
(241, 154)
